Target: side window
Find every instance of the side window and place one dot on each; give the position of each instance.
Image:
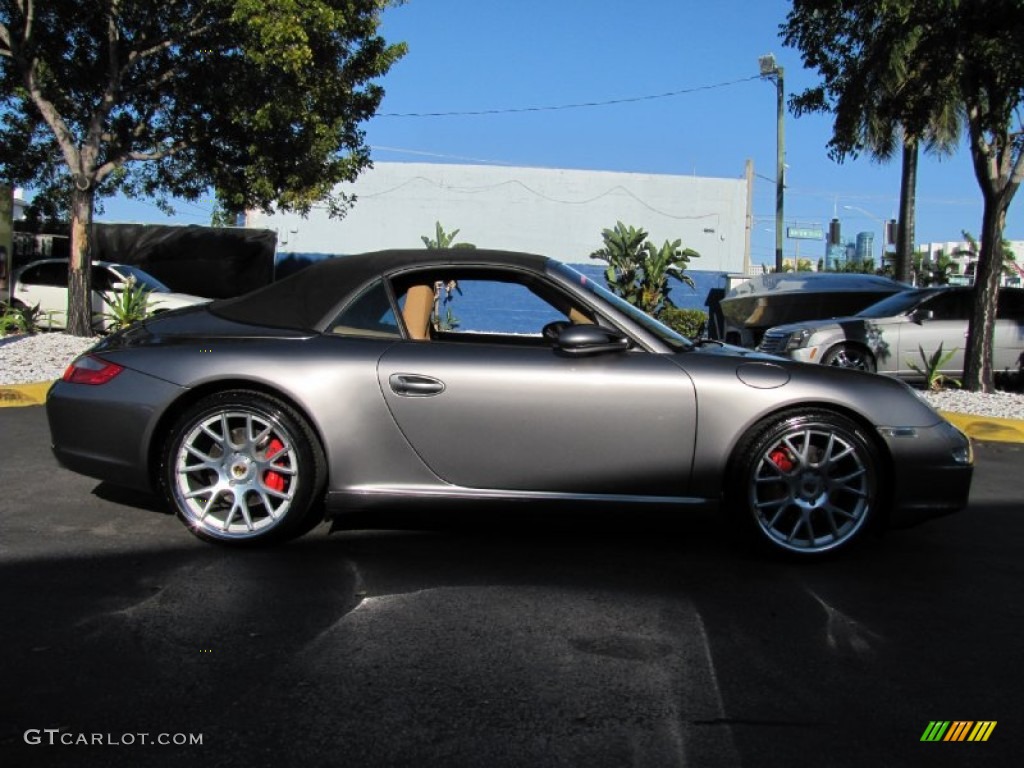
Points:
(493, 306)
(1011, 305)
(102, 279)
(30, 276)
(371, 314)
(480, 304)
(949, 306)
(46, 274)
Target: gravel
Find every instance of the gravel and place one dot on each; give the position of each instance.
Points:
(44, 356)
(40, 357)
(1001, 405)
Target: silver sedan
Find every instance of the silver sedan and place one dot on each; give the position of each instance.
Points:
(899, 334)
(406, 379)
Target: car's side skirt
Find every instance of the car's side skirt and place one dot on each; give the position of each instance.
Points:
(358, 498)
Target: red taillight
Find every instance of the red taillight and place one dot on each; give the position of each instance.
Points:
(91, 370)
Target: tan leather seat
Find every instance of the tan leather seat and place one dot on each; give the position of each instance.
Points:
(578, 318)
(419, 303)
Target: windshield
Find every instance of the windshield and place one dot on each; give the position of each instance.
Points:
(144, 279)
(897, 304)
(674, 340)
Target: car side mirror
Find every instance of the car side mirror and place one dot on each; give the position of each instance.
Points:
(118, 286)
(589, 339)
(922, 315)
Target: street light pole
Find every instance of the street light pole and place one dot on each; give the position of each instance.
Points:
(770, 70)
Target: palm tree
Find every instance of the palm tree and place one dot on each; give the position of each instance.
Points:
(869, 57)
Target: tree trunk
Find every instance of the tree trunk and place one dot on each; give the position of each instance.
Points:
(978, 376)
(905, 229)
(79, 274)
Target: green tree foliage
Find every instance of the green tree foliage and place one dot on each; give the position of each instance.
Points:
(870, 58)
(258, 100)
(801, 265)
(690, 322)
(933, 271)
(442, 239)
(624, 252)
(639, 271)
(952, 57)
(1006, 255)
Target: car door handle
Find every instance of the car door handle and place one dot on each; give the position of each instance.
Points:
(414, 385)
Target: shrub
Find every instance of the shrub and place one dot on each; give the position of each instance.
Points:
(932, 367)
(128, 306)
(17, 318)
(689, 322)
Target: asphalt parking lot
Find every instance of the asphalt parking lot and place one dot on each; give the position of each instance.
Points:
(621, 641)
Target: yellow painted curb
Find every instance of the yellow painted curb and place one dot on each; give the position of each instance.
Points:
(987, 427)
(14, 395)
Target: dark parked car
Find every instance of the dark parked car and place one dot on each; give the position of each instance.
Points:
(350, 386)
(891, 334)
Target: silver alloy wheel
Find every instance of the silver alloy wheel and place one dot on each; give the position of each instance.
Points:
(851, 357)
(811, 489)
(236, 473)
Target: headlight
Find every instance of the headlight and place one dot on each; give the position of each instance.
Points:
(798, 339)
(960, 444)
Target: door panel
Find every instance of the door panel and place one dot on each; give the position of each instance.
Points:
(52, 301)
(1008, 352)
(947, 327)
(928, 335)
(525, 418)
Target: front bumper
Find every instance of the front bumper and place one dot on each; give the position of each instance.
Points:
(933, 470)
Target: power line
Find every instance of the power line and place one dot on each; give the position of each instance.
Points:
(579, 105)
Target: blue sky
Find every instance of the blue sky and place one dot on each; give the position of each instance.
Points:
(467, 55)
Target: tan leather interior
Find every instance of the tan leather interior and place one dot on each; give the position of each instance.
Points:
(578, 318)
(419, 303)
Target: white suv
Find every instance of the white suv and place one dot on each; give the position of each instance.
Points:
(891, 334)
(46, 283)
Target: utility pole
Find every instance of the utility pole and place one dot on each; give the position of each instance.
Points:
(770, 70)
(749, 173)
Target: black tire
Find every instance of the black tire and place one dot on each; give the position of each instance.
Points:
(850, 356)
(243, 468)
(806, 484)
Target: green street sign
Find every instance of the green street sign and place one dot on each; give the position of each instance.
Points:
(798, 233)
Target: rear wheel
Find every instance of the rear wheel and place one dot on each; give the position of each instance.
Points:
(807, 484)
(850, 356)
(243, 468)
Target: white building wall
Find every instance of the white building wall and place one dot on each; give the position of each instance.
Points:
(558, 213)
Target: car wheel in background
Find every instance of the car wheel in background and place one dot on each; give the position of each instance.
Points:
(242, 467)
(807, 483)
(850, 356)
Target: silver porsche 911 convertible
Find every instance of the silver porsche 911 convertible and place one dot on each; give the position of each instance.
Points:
(405, 379)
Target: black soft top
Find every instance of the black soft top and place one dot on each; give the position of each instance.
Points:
(303, 301)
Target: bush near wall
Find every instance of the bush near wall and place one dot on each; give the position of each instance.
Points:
(689, 322)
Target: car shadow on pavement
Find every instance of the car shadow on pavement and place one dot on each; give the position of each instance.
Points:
(130, 497)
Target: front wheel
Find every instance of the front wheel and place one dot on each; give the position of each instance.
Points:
(242, 468)
(807, 484)
(850, 356)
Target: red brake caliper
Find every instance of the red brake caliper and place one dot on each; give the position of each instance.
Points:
(274, 480)
(781, 459)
